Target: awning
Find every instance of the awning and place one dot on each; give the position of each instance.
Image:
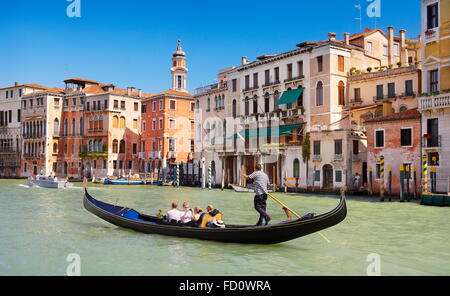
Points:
(290, 96)
(264, 131)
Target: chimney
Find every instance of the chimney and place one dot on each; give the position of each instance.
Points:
(332, 36)
(390, 45)
(130, 90)
(244, 61)
(387, 108)
(347, 38)
(140, 93)
(16, 83)
(403, 49)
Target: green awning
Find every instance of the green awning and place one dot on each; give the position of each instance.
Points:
(290, 96)
(264, 131)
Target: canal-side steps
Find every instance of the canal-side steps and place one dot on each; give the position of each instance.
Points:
(438, 200)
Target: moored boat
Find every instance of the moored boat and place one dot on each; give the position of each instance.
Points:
(48, 182)
(246, 234)
(122, 181)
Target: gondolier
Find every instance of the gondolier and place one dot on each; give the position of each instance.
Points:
(260, 180)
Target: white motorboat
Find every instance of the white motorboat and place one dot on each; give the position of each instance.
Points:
(48, 182)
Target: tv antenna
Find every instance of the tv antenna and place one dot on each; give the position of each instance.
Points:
(358, 6)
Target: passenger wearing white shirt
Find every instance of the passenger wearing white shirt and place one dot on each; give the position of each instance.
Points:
(186, 213)
(174, 214)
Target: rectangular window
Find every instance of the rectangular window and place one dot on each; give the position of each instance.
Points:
(247, 81)
(341, 63)
(172, 123)
(338, 147)
(255, 80)
(161, 105)
(391, 90)
(434, 81)
(355, 147)
(144, 108)
(289, 71)
(116, 104)
(338, 178)
(18, 115)
(316, 176)
(369, 46)
(409, 88)
(161, 125)
(266, 77)
(316, 149)
(234, 85)
(300, 68)
(432, 16)
(136, 107)
(154, 124)
(396, 50)
(385, 50)
(135, 148)
(380, 92)
(277, 74)
(406, 137)
(433, 131)
(320, 64)
(122, 105)
(357, 97)
(154, 106)
(173, 105)
(135, 123)
(379, 138)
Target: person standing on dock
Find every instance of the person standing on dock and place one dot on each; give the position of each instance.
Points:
(260, 180)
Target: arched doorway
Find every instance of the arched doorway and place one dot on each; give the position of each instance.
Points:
(328, 176)
(65, 169)
(88, 171)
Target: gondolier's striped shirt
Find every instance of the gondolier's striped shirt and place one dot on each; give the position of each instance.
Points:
(261, 181)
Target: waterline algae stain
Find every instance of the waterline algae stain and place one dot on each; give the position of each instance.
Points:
(42, 227)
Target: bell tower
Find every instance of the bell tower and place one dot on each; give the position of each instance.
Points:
(179, 70)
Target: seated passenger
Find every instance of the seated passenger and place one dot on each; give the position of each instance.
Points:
(174, 215)
(186, 213)
(210, 216)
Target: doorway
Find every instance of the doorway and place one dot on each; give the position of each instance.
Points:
(328, 177)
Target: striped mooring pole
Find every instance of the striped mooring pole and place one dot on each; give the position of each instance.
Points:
(178, 175)
(209, 176)
(382, 178)
(425, 174)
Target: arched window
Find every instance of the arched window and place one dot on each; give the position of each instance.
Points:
(100, 146)
(208, 105)
(100, 122)
(341, 93)
(319, 94)
(115, 146)
(122, 147)
(66, 127)
(276, 97)
(379, 113)
(216, 102)
(296, 168)
(81, 126)
(91, 147)
(74, 127)
(122, 122)
(96, 122)
(91, 123)
(115, 122)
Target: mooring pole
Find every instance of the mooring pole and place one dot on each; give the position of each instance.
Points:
(402, 181)
(382, 178)
(415, 182)
(390, 183)
(408, 178)
(425, 174)
(370, 180)
(209, 176)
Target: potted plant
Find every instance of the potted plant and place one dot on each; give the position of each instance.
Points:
(369, 69)
(377, 68)
(427, 136)
(399, 64)
(390, 66)
(352, 70)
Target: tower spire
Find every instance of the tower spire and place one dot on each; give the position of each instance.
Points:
(179, 70)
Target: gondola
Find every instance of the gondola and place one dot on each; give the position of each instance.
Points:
(245, 234)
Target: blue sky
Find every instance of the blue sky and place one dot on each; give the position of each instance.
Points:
(130, 43)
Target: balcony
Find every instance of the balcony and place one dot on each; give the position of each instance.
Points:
(317, 157)
(407, 95)
(300, 77)
(356, 158)
(432, 142)
(141, 155)
(381, 99)
(154, 154)
(438, 101)
(172, 154)
(338, 157)
(432, 35)
(269, 84)
(250, 88)
(356, 101)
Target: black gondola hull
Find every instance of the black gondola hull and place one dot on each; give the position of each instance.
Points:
(271, 234)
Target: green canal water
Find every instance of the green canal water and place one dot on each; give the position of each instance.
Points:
(41, 227)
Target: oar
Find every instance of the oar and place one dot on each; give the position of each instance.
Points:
(297, 215)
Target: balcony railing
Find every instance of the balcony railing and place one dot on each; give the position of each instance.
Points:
(408, 95)
(356, 157)
(435, 102)
(317, 157)
(338, 157)
(433, 142)
(154, 154)
(250, 88)
(356, 101)
(377, 99)
(267, 84)
(294, 78)
(172, 154)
